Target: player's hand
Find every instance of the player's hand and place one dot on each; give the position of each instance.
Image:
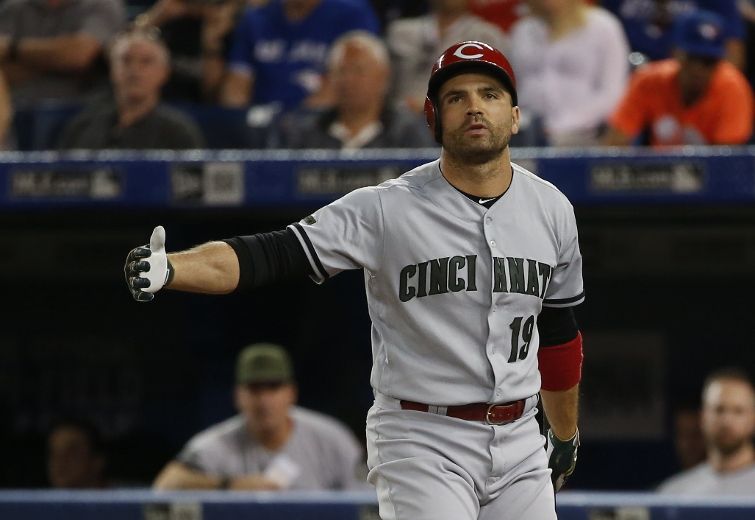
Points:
(562, 458)
(252, 483)
(147, 267)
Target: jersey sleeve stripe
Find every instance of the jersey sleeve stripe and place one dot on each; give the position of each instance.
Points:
(309, 250)
(564, 302)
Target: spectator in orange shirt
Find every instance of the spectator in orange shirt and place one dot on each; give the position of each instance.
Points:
(694, 98)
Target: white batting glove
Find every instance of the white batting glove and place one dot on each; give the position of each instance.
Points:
(147, 267)
(562, 458)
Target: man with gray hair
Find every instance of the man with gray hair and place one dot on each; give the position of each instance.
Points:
(271, 444)
(359, 74)
(134, 118)
(728, 425)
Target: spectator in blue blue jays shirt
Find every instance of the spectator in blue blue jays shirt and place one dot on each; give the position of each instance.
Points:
(279, 51)
(648, 25)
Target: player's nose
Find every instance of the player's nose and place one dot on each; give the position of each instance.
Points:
(474, 107)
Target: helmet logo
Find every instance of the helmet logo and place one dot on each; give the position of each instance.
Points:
(460, 51)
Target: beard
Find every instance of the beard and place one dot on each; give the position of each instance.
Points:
(480, 150)
(727, 444)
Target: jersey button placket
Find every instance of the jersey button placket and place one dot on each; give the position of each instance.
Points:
(494, 351)
(492, 348)
(488, 229)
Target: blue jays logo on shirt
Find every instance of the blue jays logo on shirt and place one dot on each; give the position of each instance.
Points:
(271, 51)
(308, 51)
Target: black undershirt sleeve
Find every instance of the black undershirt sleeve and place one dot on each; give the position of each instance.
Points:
(266, 258)
(556, 326)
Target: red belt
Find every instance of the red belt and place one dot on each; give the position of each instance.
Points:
(481, 412)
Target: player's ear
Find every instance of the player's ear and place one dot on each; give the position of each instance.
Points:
(515, 117)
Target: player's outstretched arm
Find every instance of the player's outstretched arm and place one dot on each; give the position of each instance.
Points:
(210, 268)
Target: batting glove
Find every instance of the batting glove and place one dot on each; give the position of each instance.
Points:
(147, 267)
(562, 458)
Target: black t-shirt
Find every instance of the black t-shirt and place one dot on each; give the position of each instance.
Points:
(96, 128)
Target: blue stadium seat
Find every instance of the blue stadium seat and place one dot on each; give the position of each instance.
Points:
(226, 127)
(38, 128)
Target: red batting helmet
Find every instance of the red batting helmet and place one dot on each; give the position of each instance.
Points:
(465, 57)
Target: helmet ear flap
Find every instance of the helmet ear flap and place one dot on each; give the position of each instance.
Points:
(433, 119)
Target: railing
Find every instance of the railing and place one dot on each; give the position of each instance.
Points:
(282, 178)
(225, 505)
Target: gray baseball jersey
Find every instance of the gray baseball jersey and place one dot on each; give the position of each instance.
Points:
(703, 480)
(320, 454)
(454, 288)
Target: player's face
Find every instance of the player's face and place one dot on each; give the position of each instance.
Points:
(695, 74)
(477, 117)
(71, 463)
(266, 406)
(688, 438)
(359, 79)
(728, 415)
(139, 69)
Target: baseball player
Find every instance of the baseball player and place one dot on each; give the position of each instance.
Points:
(471, 267)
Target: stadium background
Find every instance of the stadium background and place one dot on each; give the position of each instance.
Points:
(669, 269)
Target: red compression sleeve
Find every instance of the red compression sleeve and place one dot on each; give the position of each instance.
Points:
(561, 365)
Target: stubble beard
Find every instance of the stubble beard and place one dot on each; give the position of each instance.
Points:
(728, 446)
(466, 150)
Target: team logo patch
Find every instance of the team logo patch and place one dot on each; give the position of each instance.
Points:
(461, 54)
(309, 220)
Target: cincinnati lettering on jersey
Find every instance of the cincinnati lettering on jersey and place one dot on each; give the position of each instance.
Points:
(509, 275)
(458, 273)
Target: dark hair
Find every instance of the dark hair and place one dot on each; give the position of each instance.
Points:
(86, 427)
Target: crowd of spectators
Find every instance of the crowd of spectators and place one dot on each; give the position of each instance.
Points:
(582, 65)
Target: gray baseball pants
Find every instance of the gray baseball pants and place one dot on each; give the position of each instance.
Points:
(433, 467)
